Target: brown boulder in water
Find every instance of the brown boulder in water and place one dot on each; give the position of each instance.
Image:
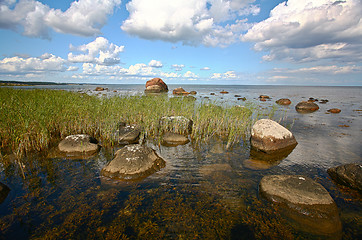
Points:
(284, 101)
(306, 107)
(156, 85)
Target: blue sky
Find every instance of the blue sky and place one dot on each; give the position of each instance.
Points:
(295, 42)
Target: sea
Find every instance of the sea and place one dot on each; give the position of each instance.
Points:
(62, 198)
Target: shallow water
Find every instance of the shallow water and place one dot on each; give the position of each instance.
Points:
(203, 192)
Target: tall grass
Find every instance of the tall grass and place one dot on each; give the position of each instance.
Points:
(31, 120)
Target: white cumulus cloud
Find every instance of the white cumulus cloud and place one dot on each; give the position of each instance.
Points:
(155, 64)
(191, 22)
(309, 30)
(100, 51)
(83, 17)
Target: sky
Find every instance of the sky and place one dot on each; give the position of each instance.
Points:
(233, 42)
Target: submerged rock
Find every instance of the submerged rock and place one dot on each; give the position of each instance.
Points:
(306, 107)
(174, 139)
(133, 162)
(4, 191)
(349, 175)
(79, 144)
(305, 202)
(156, 85)
(284, 101)
(270, 137)
(261, 161)
(127, 134)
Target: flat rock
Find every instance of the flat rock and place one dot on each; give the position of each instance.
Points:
(4, 191)
(133, 162)
(334, 110)
(269, 136)
(305, 202)
(349, 175)
(79, 144)
(174, 139)
(306, 107)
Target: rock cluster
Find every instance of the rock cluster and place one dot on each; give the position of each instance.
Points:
(156, 85)
(133, 162)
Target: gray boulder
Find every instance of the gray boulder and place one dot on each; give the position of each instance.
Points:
(79, 144)
(4, 191)
(176, 124)
(304, 201)
(269, 136)
(133, 162)
(349, 175)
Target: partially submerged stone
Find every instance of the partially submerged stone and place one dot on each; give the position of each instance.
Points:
(304, 201)
(349, 175)
(306, 107)
(261, 161)
(156, 85)
(180, 91)
(79, 144)
(334, 110)
(284, 101)
(174, 139)
(127, 134)
(269, 136)
(4, 191)
(133, 162)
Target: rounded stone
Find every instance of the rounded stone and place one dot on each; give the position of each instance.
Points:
(334, 110)
(349, 175)
(284, 101)
(162, 86)
(133, 162)
(174, 139)
(80, 143)
(306, 107)
(269, 136)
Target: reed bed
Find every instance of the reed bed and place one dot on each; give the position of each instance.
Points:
(32, 120)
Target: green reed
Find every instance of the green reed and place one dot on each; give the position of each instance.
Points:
(31, 120)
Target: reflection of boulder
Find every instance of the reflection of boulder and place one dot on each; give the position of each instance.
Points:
(4, 191)
(349, 175)
(260, 160)
(305, 202)
(170, 139)
(269, 136)
(208, 170)
(133, 162)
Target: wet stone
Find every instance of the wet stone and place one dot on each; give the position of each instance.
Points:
(127, 134)
(133, 162)
(305, 202)
(306, 107)
(79, 144)
(174, 139)
(349, 175)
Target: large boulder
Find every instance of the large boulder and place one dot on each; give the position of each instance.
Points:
(270, 137)
(127, 134)
(349, 175)
(176, 124)
(305, 201)
(156, 85)
(4, 191)
(79, 144)
(133, 162)
(306, 107)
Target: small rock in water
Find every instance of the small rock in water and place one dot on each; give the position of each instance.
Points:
(133, 162)
(284, 101)
(306, 107)
(79, 144)
(180, 91)
(127, 134)
(174, 139)
(334, 110)
(99, 89)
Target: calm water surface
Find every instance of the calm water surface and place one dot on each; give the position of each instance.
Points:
(203, 192)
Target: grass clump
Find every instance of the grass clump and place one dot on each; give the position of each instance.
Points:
(30, 120)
